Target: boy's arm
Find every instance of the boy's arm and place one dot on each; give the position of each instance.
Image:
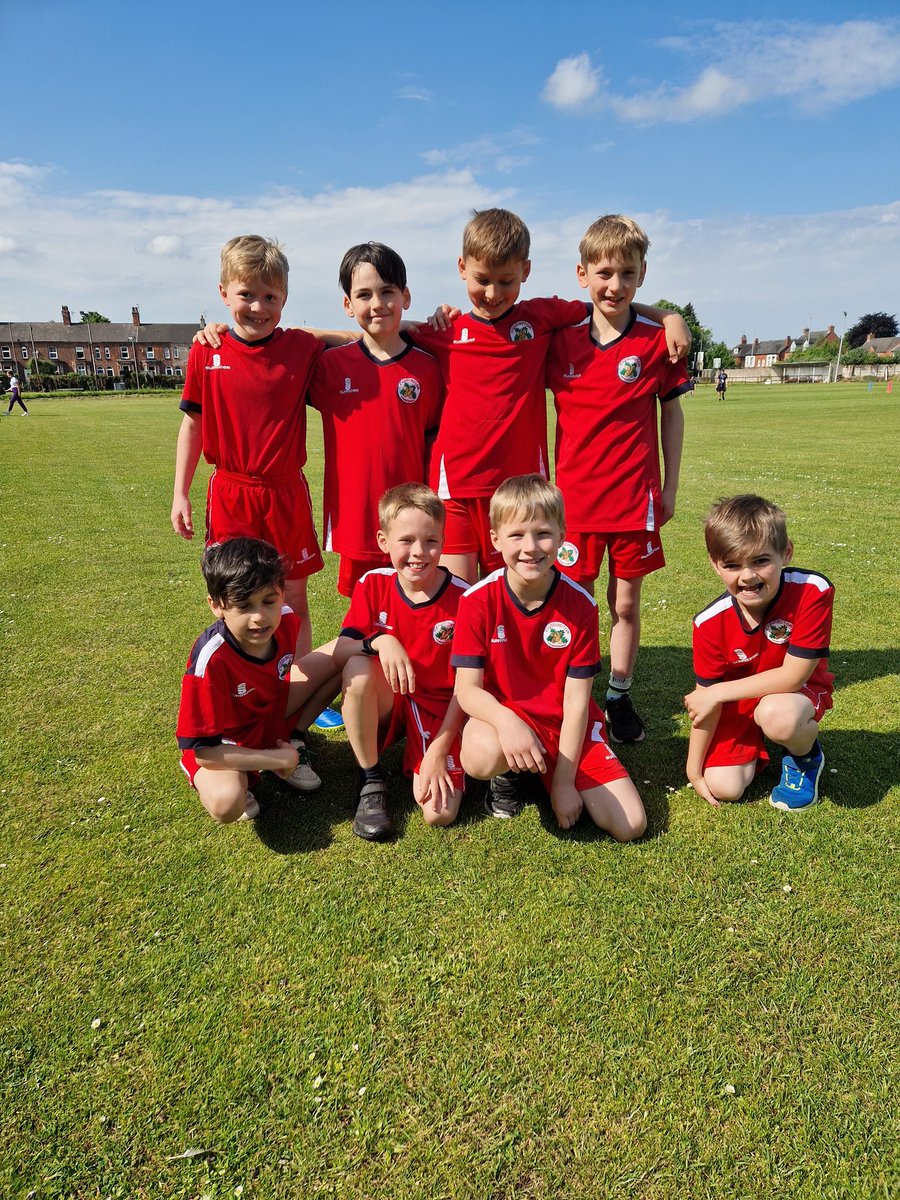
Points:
(187, 455)
(701, 736)
(678, 336)
(520, 746)
(281, 758)
(433, 773)
(671, 436)
(212, 334)
(390, 652)
(564, 796)
(789, 677)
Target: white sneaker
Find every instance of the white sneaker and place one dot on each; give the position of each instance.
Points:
(251, 808)
(304, 778)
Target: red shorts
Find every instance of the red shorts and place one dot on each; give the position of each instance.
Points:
(417, 721)
(468, 531)
(278, 512)
(737, 738)
(351, 570)
(631, 555)
(597, 765)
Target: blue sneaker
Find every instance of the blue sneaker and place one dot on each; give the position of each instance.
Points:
(329, 718)
(799, 785)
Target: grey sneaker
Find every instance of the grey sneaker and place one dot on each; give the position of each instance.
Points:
(503, 799)
(304, 778)
(624, 723)
(251, 808)
(373, 821)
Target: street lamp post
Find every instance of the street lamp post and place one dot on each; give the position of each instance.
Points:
(837, 369)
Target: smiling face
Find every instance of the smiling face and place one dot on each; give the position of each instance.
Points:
(253, 621)
(753, 578)
(413, 541)
(612, 283)
(255, 306)
(376, 305)
(493, 288)
(528, 547)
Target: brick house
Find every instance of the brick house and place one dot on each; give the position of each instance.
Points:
(766, 354)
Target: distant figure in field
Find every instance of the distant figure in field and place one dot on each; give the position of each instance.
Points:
(721, 380)
(15, 396)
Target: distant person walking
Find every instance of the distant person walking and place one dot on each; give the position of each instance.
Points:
(721, 380)
(15, 396)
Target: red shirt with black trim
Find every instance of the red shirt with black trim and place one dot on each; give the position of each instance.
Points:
(230, 696)
(494, 423)
(425, 630)
(798, 622)
(527, 654)
(377, 420)
(251, 397)
(607, 442)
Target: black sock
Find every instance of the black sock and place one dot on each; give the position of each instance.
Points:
(371, 774)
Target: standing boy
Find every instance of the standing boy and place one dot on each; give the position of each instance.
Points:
(380, 400)
(760, 659)
(399, 681)
(607, 375)
(526, 650)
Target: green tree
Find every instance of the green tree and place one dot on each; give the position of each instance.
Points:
(43, 366)
(701, 337)
(94, 318)
(822, 350)
(879, 324)
(718, 350)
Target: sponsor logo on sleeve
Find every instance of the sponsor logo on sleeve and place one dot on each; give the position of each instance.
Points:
(499, 635)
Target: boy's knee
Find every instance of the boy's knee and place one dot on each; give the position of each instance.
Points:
(357, 673)
(442, 818)
(629, 826)
(780, 718)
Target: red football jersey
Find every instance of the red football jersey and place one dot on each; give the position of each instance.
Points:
(251, 397)
(380, 605)
(528, 655)
(229, 696)
(376, 417)
(607, 445)
(797, 622)
(494, 423)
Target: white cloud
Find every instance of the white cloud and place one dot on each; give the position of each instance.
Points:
(575, 83)
(166, 246)
(502, 152)
(415, 93)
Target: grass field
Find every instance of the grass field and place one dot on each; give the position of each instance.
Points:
(495, 1010)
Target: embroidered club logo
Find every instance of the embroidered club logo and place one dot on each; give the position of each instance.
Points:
(409, 390)
(779, 630)
(284, 665)
(567, 554)
(443, 632)
(521, 331)
(242, 690)
(217, 364)
(499, 635)
(557, 635)
(382, 621)
(629, 368)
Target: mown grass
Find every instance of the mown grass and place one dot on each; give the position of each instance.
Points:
(493, 1010)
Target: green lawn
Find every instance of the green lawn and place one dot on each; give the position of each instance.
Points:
(494, 1010)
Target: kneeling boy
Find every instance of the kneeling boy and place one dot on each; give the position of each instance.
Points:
(242, 694)
(399, 682)
(760, 660)
(526, 650)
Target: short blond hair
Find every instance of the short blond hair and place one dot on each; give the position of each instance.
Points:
(527, 497)
(496, 236)
(253, 257)
(745, 524)
(409, 495)
(613, 236)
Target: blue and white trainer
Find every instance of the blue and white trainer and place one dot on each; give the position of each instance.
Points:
(799, 785)
(329, 718)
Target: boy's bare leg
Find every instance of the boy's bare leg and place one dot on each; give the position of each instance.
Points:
(465, 566)
(789, 720)
(222, 793)
(368, 703)
(617, 808)
(624, 599)
(295, 597)
(728, 784)
(445, 815)
(480, 755)
(315, 681)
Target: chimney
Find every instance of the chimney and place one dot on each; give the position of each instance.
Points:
(743, 339)
(66, 316)
(831, 330)
(755, 344)
(870, 337)
(805, 337)
(135, 316)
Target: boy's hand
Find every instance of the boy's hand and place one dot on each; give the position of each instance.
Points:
(443, 316)
(437, 786)
(567, 804)
(701, 703)
(667, 503)
(520, 746)
(211, 334)
(701, 787)
(287, 756)
(181, 517)
(396, 664)
(678, 336)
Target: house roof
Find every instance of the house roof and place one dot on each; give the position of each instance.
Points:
(81, 334)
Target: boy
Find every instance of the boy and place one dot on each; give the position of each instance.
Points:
(761, 660)
(526, 649)
(242, 692)
(606, 375)
(243, 406)
(399, 682)
(380, 400)
(494, 423)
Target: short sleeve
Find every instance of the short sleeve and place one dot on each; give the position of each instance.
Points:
(470, 644)
(811, 634)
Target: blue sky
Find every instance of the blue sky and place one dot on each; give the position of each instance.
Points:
(760, 155)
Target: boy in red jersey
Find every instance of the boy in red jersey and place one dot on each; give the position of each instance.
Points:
(244, 408)
(760, 659)
(399, 681)
(380, 401)
(494, 423)
(242, 692)
(526, 649)
(606, 375)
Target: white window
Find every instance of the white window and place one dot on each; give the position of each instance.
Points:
(751, 360)
(178, 372)
(82, 370)
(97, 352)
(79, 352)
(106, 351)
(123, 352)
(175, 354)
(149, 352)
(7, 353)
(167, 352)
(24, 351)
(54, 353)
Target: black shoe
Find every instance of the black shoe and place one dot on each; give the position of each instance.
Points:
(373, 821)
(503, 799)
(624, 723)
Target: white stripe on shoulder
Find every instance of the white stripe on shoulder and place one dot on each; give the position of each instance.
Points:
(460, 583)
(215, 643)
(286, 608)
(578, 588)
(640, 319)
(492, 578)
(712, 610)
(378, 571)
(794, 575)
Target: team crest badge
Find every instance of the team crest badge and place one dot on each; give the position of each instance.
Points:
(779, 630)
(443, 632)
(567, 554)
(409, 390)
(522, 331)
(629, 368)
(557, 635)
(284, 665)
